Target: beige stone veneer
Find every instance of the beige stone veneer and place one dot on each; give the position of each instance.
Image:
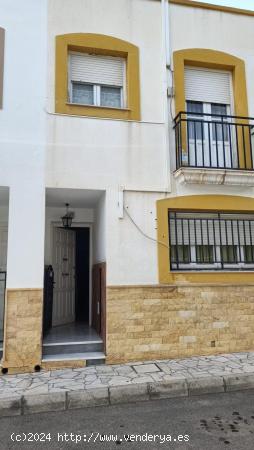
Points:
(23, 329)
(157, 322)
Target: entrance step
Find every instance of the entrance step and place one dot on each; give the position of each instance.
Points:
(72, 347)
(89, 351)
(91, 358)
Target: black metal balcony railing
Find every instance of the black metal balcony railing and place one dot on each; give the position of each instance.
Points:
(214, 141)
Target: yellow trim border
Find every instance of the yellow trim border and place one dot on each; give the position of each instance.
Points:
(221, 8)
(226, 203)
(97, 44)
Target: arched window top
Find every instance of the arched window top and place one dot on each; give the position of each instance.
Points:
(213, 59)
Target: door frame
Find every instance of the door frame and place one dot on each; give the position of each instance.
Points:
(4, 224)
(59, 224)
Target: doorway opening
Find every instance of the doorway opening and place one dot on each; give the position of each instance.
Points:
(71, 266)
(70, 318)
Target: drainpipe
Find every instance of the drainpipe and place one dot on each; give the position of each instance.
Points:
(167, 84)
(166, 32)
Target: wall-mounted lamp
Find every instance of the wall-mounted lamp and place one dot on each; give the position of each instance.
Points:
(67, 218)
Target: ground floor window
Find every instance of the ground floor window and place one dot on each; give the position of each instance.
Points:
(211, 241)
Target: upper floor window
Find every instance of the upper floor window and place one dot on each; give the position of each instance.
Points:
(98, 76)
(209, 106)
(97, 80)
(208, 134)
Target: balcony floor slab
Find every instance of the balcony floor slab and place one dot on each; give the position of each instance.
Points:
(229, 177)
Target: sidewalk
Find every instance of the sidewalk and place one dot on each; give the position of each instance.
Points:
(111, 384)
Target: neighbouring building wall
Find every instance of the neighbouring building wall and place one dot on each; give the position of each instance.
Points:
(22, 137)
(22, 143)
(2, 35)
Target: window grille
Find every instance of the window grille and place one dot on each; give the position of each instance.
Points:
(211, 241)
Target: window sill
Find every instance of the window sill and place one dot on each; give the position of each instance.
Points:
(104, 112)
(97, 107)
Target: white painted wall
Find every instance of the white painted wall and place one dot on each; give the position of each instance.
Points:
(131, 256)
(225, 32)
(22, 137)
(99, 231)
(136, 21)
(104, 154)
(53, 217)
(122, 152)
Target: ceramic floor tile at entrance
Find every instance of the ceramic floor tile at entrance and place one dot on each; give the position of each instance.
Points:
(74, 332)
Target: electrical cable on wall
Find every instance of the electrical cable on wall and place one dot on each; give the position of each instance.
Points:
(171, 97)
(142, 232)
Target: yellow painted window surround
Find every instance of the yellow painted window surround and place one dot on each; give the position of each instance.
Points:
(101, 45)
(201, 203)
(213, 59)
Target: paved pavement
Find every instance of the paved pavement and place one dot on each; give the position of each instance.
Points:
(102, 385)
(124, 374)
(210, 422)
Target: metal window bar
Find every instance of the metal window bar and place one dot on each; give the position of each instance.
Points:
(235, 253)
(251, 241)
(227, 145)
(230, 145)
(214, 241)
(220, 238)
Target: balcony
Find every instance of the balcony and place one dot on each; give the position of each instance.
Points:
(214, 149)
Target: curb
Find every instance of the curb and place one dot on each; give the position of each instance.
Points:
(103, 396)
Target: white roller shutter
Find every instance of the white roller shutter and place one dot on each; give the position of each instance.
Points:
(97, 69)
(208, 86)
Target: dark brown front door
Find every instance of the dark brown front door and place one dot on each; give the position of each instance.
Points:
(99, 299)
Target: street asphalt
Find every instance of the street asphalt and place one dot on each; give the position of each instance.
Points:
(217, 421)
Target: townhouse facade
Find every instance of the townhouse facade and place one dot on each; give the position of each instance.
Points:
(126, 198)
